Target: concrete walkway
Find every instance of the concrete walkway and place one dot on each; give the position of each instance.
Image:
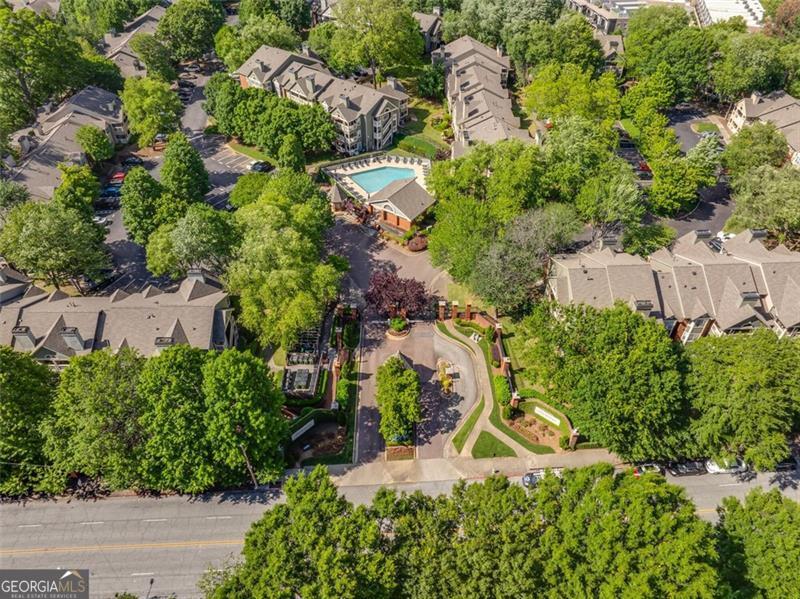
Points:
(483, 423)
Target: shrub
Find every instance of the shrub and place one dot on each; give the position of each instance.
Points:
(306, 410)
(350, 335)
(418, 243)
(398, 324)
(495, 364)
(508, 412)
(502, 391)
(563, 441)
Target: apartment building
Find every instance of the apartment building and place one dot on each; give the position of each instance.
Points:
(117, 45)
(476, 86)
(692, 289)
(715, 11)
(430, 26)
(55, 327)
(778, 108)
(366, 119)
(52, 138)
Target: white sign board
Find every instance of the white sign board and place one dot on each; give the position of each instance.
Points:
(547, 415)
(303, 429)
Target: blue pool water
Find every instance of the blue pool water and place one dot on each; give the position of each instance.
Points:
(378, 178)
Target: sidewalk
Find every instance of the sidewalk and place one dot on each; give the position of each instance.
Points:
(445, 469)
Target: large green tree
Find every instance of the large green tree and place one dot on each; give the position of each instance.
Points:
(248, 188)
(175, 454)
(26, 390)
(12, 194)
(152, 108)
(745, 396)
(156, 56)
(315, 545)
(95, 143)
(282, 284)
(397, 394)
(236, 43)
(509, 273)
(188, 27)
(757, 145)
(750, 62)
(759, 544)
(472, 207)
(610, 199)
(563, 90)
(52, 243)
(94, 428)
(494, 22)
(203, 238)
(618, 372)
(93, 18)
(243, 423)
(141, 195)
(183, 173)
(78, 190)
(379, 34)
(768, 198)
(588, 533)
(569, 41)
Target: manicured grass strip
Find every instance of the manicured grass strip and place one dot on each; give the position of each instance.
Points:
(489, 446)
(707, 128)
(461, 436)
(443, 329)
(630, 127)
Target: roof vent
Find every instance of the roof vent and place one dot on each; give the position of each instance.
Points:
(643, 306)
(758, 233)
(703, 233)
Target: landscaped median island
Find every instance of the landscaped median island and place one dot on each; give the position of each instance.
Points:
(489, 446)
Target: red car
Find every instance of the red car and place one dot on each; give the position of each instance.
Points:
(117, 177)
(643, 166)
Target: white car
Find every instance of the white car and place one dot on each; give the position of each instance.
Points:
(735, 466)
(100, 220)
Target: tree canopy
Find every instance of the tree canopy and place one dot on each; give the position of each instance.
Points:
(768, 198)
(26, 389)
(745, 396)
(183, 173)
(755, 145)
(52, 243)
(397, 394)
(236, 43)
(95, 143)
(390, 294)
(618, 372)
(156, 56)
(188, 27)
(563, 538)
(151, 106)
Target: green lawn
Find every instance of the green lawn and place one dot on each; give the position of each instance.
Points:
(706, 128)
(417, 135)
(489, 446)
(462, 435)
(279, 357)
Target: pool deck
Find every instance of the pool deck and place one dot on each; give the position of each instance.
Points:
(341, 173)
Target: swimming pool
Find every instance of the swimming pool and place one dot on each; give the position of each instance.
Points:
(378, 178)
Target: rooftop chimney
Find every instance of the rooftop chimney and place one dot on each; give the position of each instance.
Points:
(437, 10)
(703, 233)
(23, 338)
(304, 49)
(750, 298)
(72, 337)
(758, 233)
(196, 274)
(643, 307)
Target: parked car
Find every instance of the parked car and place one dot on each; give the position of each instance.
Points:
(643, 166)
(192, 68)
(111, 191)
(183, 83)
(117, 178)
(687, 468)
(131, 161)
(532, 478)
(100, 220)
(160, 141)
(735, 466)
(639, 469)
(261, 167)
(187, 76)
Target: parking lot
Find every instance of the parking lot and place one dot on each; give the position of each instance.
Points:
(224, 167)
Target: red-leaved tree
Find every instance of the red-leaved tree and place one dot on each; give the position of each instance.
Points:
(393, 295)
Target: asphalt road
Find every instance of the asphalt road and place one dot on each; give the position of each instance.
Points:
(127, 541)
